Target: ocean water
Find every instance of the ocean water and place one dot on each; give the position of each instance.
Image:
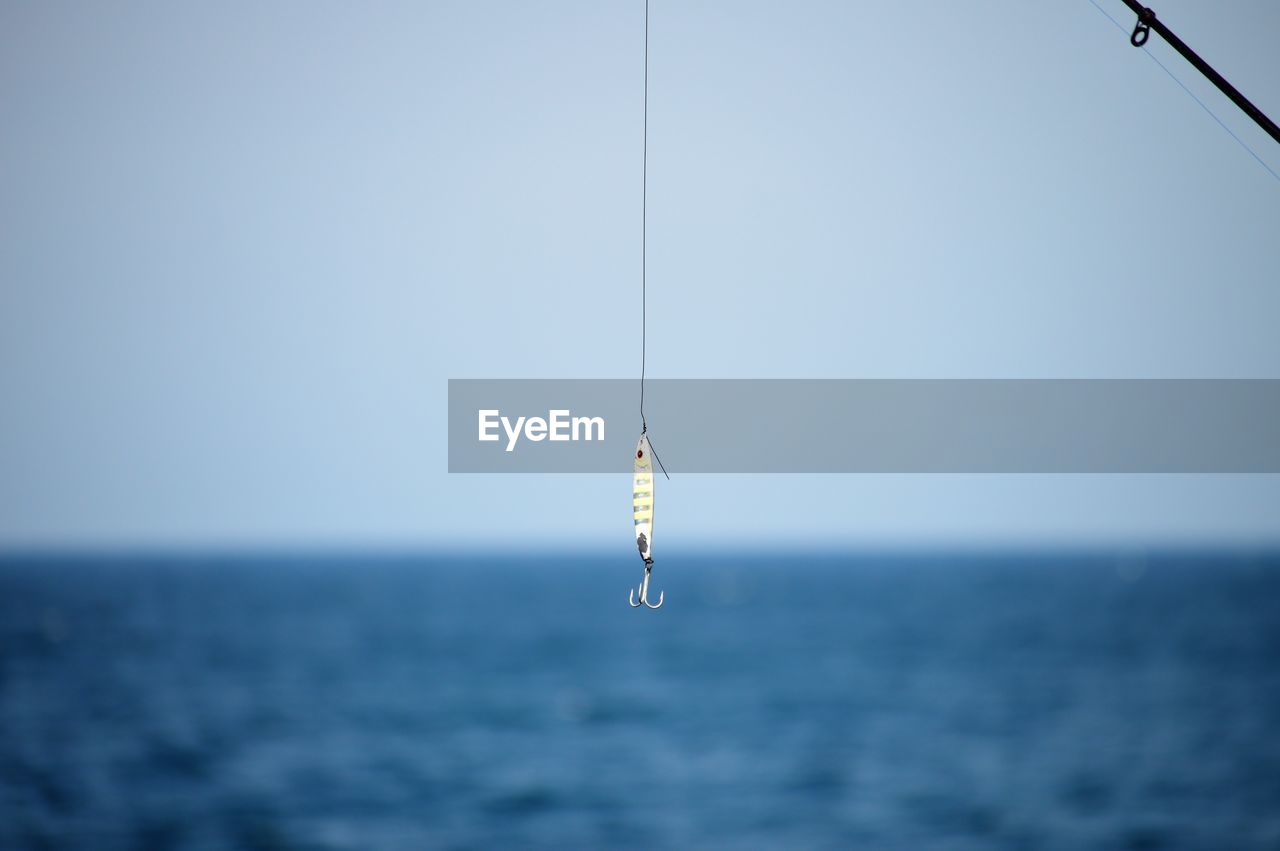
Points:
(835, 701)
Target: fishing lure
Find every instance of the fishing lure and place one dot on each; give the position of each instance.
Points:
(642, 486)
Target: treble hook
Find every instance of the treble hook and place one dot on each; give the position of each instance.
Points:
(644, 589)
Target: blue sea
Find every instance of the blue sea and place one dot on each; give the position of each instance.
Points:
(882, 701)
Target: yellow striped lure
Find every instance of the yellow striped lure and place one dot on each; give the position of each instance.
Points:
(642, 483)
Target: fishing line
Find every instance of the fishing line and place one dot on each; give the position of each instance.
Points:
(1194, 97)
(644, 223)
(644, 242)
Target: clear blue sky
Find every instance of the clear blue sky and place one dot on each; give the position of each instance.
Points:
(242, 247)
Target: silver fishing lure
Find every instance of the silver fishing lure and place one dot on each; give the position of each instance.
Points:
(642, 485)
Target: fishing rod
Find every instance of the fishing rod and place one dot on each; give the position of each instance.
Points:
(1148, 21)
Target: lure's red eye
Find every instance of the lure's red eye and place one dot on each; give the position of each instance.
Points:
(639, 453)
